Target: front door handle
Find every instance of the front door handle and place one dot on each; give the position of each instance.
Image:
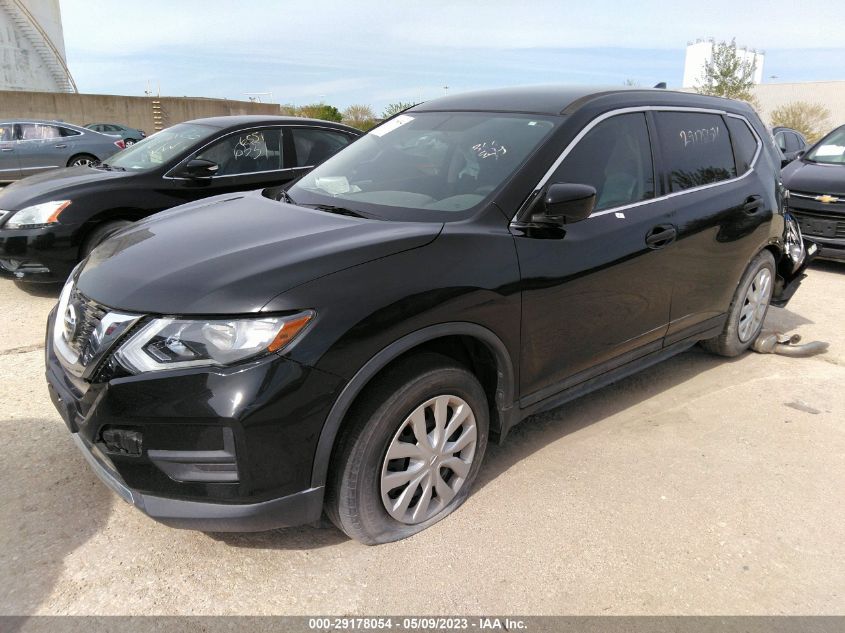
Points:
(752, 203)
(60, 146)
(660, 236)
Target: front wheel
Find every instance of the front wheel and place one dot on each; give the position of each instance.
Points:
(748, 308)
(410, 452)
(101, 234)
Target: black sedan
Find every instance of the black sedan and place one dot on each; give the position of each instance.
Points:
(816, 183)
(50, 221)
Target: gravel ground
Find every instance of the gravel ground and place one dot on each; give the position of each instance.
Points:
(699, 486)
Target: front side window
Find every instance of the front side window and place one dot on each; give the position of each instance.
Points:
(780, 141)
(314, 146)
(425, 164)
(615, 158)
(830, 150)
(246, 152)
(696, 149)
(161, 148)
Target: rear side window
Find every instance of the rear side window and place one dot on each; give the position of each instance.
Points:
(315, 146)
(744, 143)
(696, 149)
(66, 131)
(615, 158)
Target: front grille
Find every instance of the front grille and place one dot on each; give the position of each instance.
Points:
(819, 223)
(89, 316)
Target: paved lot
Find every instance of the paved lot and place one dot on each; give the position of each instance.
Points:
(699, 486)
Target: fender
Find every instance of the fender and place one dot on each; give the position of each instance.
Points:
(504, 387)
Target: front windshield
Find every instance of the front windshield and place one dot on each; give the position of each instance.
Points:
(830, 150)
(431, 161)
(160, 148)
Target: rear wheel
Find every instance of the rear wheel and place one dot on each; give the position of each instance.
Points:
(410, 452)
(101, 233)
(748, 308)
(82, 160)
(129, 141)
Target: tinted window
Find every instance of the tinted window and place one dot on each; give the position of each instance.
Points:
(793, 144)
(744, 143)
(615, 158)
(696, 149)
(246, 152)
(66, 131)
(780, 140)
(38, 132)
(315, 146)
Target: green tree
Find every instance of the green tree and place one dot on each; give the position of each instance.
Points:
(320, 111)
(727, 74)
(811, 119)
(396, 108)
(360, 116)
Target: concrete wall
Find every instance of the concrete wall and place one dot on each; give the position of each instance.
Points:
(830, 94)
(132, 111)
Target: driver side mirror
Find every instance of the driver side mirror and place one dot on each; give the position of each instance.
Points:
(565, 203)
(199, 168)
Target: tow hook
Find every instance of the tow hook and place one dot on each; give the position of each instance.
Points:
(770, 342)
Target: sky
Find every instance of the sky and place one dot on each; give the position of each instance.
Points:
(377, 52)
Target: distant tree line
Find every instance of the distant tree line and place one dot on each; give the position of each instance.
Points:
(358, 115)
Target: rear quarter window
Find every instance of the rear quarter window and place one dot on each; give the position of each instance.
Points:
(696, 149)
(744, 143)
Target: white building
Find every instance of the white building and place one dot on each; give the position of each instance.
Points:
(32, 47)
(701, 51)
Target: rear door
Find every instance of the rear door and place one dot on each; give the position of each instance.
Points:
(720, 206)
(10, 168)
(40, 147)
(597, 294)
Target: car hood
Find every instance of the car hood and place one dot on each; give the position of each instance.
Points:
(814, 178)
(55, 184)
(233, 254)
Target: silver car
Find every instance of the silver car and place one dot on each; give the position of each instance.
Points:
(30, 146)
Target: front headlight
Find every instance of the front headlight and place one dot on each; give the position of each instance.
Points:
(177, 343)
(38, 214)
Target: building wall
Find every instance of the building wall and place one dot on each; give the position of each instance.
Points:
(135, 112)
(701, 52)
(830, 94)
(21, 65)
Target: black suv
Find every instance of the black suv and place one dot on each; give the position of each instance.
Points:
(51, 220)
(350, 345)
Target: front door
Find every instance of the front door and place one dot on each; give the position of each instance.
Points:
(598, 294)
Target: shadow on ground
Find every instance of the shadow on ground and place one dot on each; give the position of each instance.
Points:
(40, 290)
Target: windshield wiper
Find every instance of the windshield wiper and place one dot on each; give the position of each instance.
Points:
(284, 195)
(339, 210)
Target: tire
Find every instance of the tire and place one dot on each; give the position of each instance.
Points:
(81, 160)
(129, 141)
(358, 493)
(745, 321)
(100, 234)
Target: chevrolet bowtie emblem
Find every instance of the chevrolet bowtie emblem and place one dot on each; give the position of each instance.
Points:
(826, 199)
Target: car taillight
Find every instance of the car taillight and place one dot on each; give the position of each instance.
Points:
(120, 144)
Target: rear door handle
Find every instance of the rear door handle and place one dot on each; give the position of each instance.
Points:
(661, 235)
(60, 146)
(752, 203)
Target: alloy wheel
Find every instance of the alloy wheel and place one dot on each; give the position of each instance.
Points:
(429, 459)
(754, 306)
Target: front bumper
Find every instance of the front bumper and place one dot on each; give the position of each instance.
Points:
(295, 509)
(46, 254)
(219, 450)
